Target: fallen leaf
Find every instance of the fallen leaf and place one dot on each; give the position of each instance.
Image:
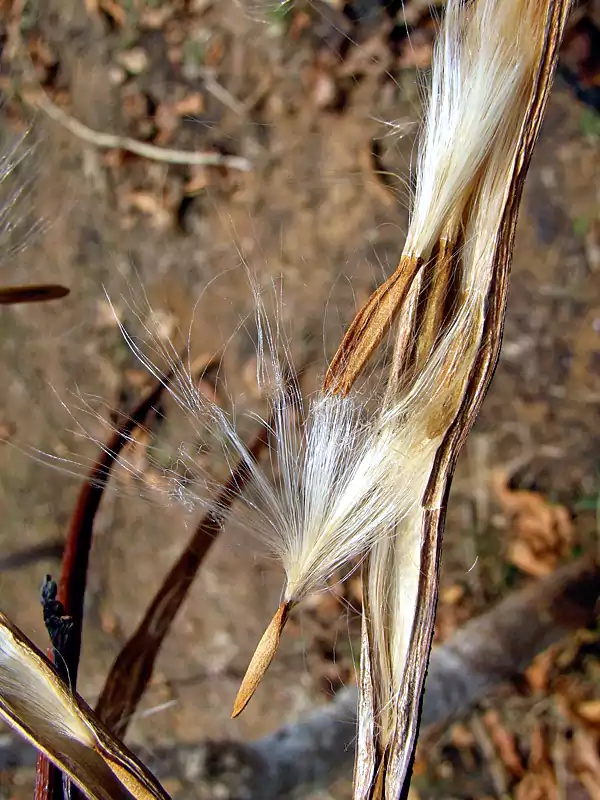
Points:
(452, 595)
(541, 532)
(538, 672)
(113, 10)
(135, 61)
(190, 106)
(537, 786)
(520, 554)
(167, 121)
(155, 18)
(7, 430)
(198, 181)
(134, 105)
(589, 711)
(461, 736)
(151, 205)
(539, 780)
(417, 55)
(504, 742)
(586, 761)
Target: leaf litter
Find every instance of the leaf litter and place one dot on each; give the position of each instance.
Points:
(541, 533)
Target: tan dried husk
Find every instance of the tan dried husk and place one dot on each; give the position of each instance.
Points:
(385, 773)
(97, 762)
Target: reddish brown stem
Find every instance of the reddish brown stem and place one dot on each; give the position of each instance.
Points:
(133, 667)
(49, 780)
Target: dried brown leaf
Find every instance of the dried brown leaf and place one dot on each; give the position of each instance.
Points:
(586, 760)
(538, 673)
(522, 556)
(542, 532)
(589, 711)
(505, 743)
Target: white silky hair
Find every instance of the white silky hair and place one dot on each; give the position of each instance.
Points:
(482, 60)
(45, 707)
(34, 700)
(18, 157)
(346, 477)
(343, 475)
(266, 11)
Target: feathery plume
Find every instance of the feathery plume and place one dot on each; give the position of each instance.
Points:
(487, 62)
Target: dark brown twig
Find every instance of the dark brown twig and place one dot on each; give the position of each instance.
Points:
(10, 295)
(318, 748)
(133, 667)
(79, 539)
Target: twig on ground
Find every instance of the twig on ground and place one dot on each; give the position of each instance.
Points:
(32, 555)
(111, 141)
(484, 653)
(221, 94)
(38, 98)
(495, 766)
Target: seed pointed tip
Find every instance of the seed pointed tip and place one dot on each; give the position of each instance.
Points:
(263, 655)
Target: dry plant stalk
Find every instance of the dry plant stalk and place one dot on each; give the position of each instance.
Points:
(492, 75)
(132, 670)
(75, 560)
(493, 70)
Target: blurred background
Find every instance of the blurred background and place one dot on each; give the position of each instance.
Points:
(313, 111)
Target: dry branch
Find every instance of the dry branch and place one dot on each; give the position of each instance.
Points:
(133, 667)
(481, 655)
(484, 653)
(79, 538)
(110, 141)
(31, 555)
